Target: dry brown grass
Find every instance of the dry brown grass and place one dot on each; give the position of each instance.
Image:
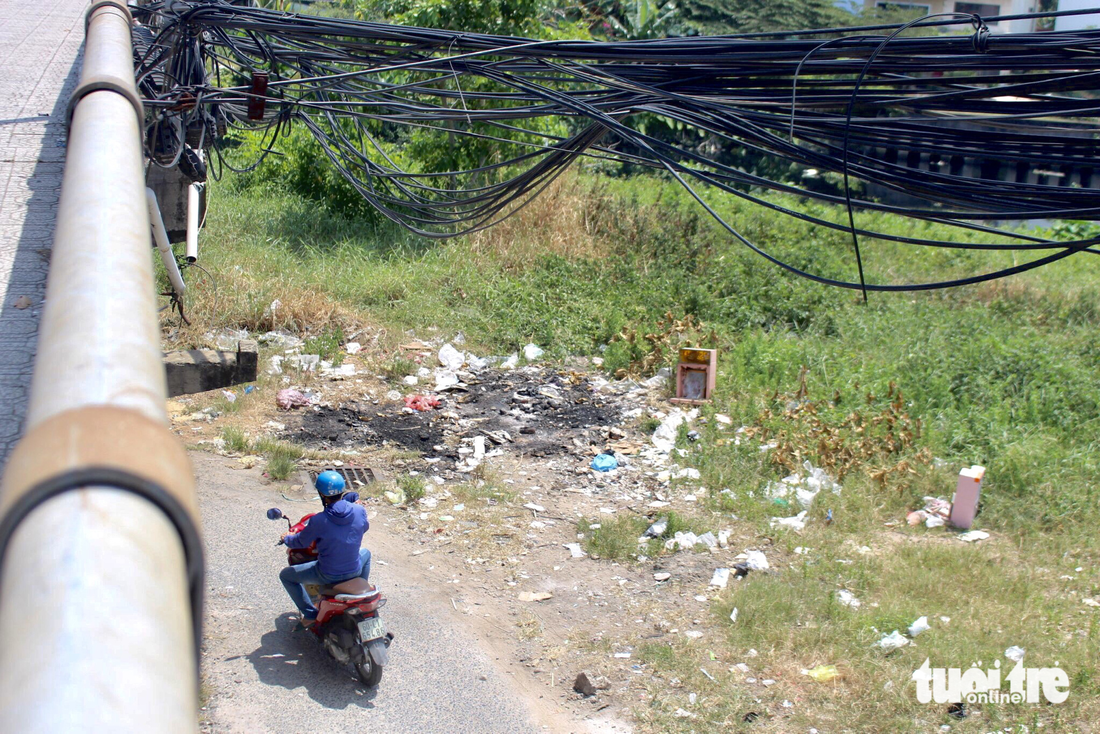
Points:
(561, 221)
(246, 303)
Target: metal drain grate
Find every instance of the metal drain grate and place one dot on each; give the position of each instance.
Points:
(355, 476)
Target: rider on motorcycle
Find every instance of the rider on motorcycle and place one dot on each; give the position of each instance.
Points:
(338, 532)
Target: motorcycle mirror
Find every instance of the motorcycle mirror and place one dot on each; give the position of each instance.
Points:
(352, 497)
(274, 514)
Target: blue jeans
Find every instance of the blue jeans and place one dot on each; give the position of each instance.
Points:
(295, 578)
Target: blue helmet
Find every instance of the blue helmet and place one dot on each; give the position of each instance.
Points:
(330, 484)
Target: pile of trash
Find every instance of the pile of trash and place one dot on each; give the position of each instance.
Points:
(803, 488)
(935, 513)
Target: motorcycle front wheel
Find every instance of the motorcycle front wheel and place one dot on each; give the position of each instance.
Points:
(369, 672)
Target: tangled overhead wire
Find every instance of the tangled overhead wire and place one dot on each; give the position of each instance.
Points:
(976, 126)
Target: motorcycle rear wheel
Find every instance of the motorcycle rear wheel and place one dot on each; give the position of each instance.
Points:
(369, 673)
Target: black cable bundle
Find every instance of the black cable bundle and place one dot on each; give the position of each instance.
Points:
(847, 101)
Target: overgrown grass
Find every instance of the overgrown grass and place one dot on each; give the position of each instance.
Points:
(617, 538)
(412, 486)
(235, 439)
(282, 457)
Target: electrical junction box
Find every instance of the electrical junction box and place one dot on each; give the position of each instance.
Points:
(695, 376)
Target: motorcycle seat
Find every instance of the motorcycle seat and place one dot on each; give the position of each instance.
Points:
(351, 590)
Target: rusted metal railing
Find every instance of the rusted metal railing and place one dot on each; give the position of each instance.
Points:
(100, 556)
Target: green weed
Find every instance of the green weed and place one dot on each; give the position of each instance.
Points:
(235, 440)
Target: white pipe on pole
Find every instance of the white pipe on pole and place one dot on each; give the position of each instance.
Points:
(96, 625)
(164, 247)
(193, 223)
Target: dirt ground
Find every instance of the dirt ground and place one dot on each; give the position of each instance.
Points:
(503, 464)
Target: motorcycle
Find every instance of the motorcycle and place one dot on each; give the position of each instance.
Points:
(348, 624)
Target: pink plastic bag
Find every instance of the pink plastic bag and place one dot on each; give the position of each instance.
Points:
(289, 398)
(421, 402)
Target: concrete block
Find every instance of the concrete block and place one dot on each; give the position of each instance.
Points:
(198, 370)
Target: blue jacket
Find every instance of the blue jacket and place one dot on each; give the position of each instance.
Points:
(338, 532)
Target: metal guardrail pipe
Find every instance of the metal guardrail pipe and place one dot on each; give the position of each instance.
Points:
(100, 559)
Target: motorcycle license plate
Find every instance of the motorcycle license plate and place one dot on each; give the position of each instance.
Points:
(371, 629)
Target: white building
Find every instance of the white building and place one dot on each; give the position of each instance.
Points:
(1078, 22)
(986, 9)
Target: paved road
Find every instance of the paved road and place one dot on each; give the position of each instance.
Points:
(40, 46)
(261, 677)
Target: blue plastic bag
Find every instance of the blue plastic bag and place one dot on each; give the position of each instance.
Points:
(605, 462)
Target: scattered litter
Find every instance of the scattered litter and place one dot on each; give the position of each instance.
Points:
(693, 634)
(705, 672)
(1091, 602)
(973, 536)
(664, 438)
(289, 398)
(575, 550)
(725, 420)
(229, 395)
(682, 540)
(823, 673)
(353, 347)
(622, 655)
(796, 523)
(531, 352)
(893, 641)
(393, 395)
(660, 379)
(687, 473)
(534, 595)
(446, 380)
(605, 462)
(934, 513)
(345, 370)
(534, 508)
(708, 540)
(682, 714)
(724, 538)
(583, 685)
(720, 577)
(921, 625)
(451, 358)
(421, 402)
(510, 363)
(848, 599)
(733, 618)
(803, 488)
(410, 380)
(657, 529)
(756, 561)
(394, 496)
(662, 576)
(1015, 654)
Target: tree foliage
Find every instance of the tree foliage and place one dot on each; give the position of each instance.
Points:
(724, 17)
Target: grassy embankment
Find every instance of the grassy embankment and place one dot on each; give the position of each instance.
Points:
(1003, 375)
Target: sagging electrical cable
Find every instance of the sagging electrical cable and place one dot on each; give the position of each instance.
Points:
(859, 103)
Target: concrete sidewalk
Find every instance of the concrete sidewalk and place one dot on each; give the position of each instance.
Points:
(40, 45)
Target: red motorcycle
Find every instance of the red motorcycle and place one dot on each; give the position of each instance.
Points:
(348, 624)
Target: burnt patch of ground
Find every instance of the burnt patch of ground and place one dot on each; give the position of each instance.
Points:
(536, 412)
